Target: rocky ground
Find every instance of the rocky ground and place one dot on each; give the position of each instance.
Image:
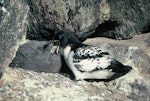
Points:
(26, 85)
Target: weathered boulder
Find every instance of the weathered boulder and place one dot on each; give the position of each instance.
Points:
(132, 17)
(120, 19)
(47, 16)
(33, 56)
(13, 26)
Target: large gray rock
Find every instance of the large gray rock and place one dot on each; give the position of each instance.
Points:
(132, 17)
(120, 19)
(33, 56)
(48, 16)
(13, 26)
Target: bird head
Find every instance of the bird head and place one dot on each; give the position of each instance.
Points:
(63, 37)
(66, 38)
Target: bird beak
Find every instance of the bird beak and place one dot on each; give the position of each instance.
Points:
(58, 47)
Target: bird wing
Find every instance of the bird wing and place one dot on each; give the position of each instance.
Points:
(91, 58)
(87, 51)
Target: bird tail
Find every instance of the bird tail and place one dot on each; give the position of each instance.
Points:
(120, 68)
(127, 69)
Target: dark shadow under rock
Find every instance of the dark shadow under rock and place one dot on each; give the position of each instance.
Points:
(103, 29)
(34, 57)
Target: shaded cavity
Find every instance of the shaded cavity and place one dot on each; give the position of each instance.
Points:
(146, 28)
(43, 34)
(104, 27)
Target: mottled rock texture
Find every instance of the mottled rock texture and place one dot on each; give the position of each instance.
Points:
(13, 26)
(119, 19)
(34, 56)
(47, 16)
(132, 16)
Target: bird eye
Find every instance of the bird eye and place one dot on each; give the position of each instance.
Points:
(60, 37)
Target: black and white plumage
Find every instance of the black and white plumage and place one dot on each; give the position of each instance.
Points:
(87, 61)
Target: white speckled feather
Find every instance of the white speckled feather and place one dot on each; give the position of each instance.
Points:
(88, 65)
(91, 64)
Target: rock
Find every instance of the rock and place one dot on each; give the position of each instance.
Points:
(48, 16)
(132, 17)
(147, 41)
(114, 19)
(33, 56)
(13, 25)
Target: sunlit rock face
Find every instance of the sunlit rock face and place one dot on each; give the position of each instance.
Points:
(13, 26)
